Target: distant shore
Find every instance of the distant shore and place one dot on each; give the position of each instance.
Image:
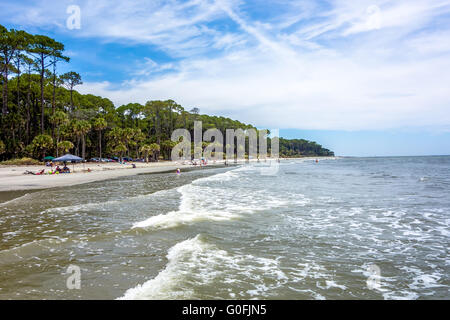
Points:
(12, 178)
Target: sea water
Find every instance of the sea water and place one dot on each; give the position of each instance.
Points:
(345, 228)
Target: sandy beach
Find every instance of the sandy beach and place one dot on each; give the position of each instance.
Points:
(12, 178)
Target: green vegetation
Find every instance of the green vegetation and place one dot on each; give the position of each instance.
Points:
(42, 113)
(21, 162)
(300, 147)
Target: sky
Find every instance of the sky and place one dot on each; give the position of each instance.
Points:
(362, 78)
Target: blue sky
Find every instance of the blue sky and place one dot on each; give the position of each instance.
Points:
(360, 77)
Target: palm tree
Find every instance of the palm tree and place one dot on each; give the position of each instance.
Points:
(42, 142)
(70, 80)
(138, 137)
(65, 146)
(128, 134)
(81, 128)
(2, 147)
(120, 148)
(99, 125)
(58, 119)
(154, 149)
(167, 146)
(116, 134)
(146, 149)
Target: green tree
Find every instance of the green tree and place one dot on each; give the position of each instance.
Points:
(30, 64)
(81, 128)
(56, 56)
(127, 135)
(154, 149)
(42, 48)
(65, 146)
(42, 142)
(70, 80)
(138, 138)
(58, 119)
(11, 42)
(2, 147)
(119, 149)
(146, 149)
(167, 146)
(99, 125)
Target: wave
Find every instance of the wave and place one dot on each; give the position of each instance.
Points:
(187, 213)
(207, 199)
(14, 200)
(195, 263)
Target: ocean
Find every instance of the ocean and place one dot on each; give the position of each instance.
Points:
(344, 228)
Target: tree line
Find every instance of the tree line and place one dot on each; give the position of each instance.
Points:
(42, 113)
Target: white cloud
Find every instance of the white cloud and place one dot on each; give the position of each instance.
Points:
(322, 93)
(370, 64)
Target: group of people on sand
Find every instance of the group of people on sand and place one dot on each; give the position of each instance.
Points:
(57, 170)
(201, 162)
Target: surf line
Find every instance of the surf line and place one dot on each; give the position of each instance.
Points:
(193, 310)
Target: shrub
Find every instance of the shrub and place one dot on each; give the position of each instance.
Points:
(21, 162)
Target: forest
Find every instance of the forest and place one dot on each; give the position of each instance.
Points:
(43, 114)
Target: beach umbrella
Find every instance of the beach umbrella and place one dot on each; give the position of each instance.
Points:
(68, 157)
(49, 158)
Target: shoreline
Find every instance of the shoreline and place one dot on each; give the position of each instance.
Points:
(12, 178)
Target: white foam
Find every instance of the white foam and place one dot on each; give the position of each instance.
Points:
(332, 284)
(196, 263)
(222, 197)
(206, 200)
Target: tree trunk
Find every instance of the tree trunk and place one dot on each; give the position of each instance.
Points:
(54, 89)
(57, 141)
(170, 122)
(28, 108)
(5, 89)
(42, 93)
(71, 100)
(77, 151)
(158, 126)
(83, 146)
(18, 84)
(100, 143)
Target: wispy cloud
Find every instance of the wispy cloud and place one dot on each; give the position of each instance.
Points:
(368, 64)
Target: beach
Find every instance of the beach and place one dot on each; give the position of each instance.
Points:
(12, 178)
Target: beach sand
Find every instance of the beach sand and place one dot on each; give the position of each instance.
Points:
(12, 178)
